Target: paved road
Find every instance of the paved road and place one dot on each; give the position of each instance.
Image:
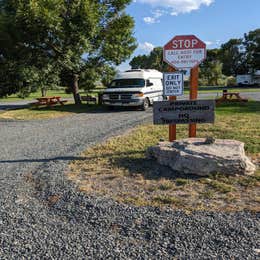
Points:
(42, 216)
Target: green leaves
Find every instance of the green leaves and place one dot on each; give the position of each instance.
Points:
(154, 60)
(58, 33)
(118, 44)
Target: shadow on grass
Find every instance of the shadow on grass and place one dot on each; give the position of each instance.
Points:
(148, 168)
(72, 108)
(238, 107)
(84, 108)
(136, 163)
(224, 108)
(60, 158)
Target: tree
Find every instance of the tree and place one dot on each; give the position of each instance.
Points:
(154, 60)
(211, 68)
(64, 30)
(108, 73)
(23, 69)
(252, 44)
(234, 61)
(139, 62)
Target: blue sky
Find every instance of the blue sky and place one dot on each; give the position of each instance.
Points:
(213, 21)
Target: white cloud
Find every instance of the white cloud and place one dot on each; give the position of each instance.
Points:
(178, 6)
(208, 43)
(213, 44)
(156, 14)
(146, 46)
(149, 20)
(174, 13)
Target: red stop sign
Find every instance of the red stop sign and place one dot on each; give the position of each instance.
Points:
(184, 51)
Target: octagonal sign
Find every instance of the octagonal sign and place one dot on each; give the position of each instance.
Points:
(184, 51)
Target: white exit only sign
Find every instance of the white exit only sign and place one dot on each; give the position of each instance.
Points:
(173, 84)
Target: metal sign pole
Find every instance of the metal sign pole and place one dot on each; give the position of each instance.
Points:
(193, 95)
(172, 128)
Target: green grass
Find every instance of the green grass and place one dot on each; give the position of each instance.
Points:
(38, 94)
(164, 199)
(219, 91)
(48, 112)
(219, 186)
(181, 181)
(35, 95)
(141, 181)
(166, 185)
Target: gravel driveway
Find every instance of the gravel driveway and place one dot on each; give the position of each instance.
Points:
(43, 217)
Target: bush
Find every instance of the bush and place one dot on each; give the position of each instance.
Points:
(231, 81)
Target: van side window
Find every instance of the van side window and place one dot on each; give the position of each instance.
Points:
(147, 82)
(156, 82)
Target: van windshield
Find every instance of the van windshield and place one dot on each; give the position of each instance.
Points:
(127, 83)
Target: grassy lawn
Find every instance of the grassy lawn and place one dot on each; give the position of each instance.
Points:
(202, 91)
(62, 93)
(38, 94)
(47, 112)
(119, 169)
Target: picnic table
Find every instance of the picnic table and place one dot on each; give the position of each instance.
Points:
(230, 97)
(49, 101)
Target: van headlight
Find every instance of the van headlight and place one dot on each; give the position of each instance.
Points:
(105, 96)
(137, 95)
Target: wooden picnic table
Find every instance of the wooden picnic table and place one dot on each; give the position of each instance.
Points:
(230, 97)
(49, 101)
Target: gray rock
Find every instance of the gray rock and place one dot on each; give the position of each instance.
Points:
(200, 157)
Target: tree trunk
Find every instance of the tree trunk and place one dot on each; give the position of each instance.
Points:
(75, 89)
(44, 92)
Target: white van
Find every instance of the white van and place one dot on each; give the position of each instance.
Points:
(138, 87)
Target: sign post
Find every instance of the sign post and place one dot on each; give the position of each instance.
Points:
(193, 95)
(172, 128)
(186, 52)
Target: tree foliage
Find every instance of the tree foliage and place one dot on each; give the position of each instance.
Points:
(252, 45)
(234, 61)
(78, 37)
(154, 60)
(211, 68)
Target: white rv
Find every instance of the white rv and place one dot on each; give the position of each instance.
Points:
(249, 79)
(139, 88)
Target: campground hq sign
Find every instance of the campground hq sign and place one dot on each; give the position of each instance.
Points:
(184, 112)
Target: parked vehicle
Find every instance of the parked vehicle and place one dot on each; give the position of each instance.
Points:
(139, 88)
(249, 79)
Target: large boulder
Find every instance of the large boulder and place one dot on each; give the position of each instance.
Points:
(203, 157)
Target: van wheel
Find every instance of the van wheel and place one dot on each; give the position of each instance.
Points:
(145, 105)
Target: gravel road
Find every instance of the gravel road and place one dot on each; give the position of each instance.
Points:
(42, 216)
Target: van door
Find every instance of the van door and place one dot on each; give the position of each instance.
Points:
(155, 89)
(149, 90)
